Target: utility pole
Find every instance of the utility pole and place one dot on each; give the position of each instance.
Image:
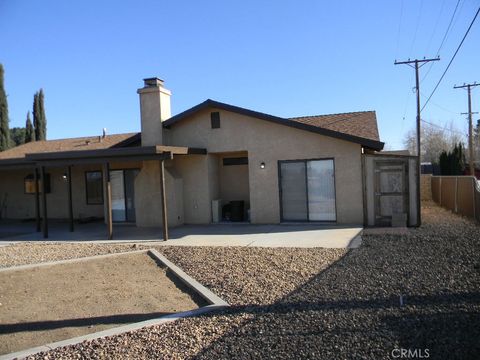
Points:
(418, 64)
(470, 124)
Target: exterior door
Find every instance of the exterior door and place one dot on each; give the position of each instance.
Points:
(391, 191)
(307, 190)
(123, 194)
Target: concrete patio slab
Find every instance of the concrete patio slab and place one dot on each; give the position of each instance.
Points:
(277, 235)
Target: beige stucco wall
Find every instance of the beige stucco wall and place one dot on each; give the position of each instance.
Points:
(265, 142)
(196, 172)
(148, 203)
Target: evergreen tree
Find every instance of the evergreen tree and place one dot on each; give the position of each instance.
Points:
(36, 116)
(43, 128)
(4, 128)
(29, 130)
(453, 162)
(39, 118)
(17, 136)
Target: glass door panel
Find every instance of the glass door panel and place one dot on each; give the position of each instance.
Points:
(294, 191)
(130, 176)
(118, 195)
(321, 190)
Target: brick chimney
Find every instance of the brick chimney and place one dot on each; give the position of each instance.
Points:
(154, 108)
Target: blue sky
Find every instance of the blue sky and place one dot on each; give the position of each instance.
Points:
(286, 58)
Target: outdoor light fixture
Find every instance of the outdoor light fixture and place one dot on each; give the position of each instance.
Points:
(64, 177)
(262, 165)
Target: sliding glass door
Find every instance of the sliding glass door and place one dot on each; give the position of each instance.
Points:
(294, 191)
(321, 190)
(307, 189)
(123, 194)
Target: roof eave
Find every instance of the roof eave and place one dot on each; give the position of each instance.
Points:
(13, 163)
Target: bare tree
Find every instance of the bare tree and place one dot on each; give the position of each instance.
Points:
(434, 140)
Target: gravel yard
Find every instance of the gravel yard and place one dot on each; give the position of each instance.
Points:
(314, 303)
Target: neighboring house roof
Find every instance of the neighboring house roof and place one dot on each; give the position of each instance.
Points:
(359, 127)
(71, 144)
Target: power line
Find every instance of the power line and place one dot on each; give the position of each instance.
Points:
(443, 40)
(435, 27)
(399, 27)
(441, 107)
(443, 128)
(416, 27)
(448, 28)
(450, 63)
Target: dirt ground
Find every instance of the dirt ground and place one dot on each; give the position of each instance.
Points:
(52, 303)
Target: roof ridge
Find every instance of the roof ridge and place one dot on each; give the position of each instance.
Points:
(84, 137)
(332, 114)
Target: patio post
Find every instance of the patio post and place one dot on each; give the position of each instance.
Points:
(44, 202)
(37, 200)
(164, 201)
(108, 199)
(70, 203)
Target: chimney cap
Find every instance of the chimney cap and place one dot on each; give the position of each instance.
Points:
(153, 81)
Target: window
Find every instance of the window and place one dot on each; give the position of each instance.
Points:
(94, 187)
(215, 120)
(235, 161)
(29, 184)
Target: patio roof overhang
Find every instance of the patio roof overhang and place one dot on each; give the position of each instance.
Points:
(40, 161)
(99, 156)
(141, 153)
(15, 163)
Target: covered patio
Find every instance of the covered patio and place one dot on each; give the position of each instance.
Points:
(40, 162)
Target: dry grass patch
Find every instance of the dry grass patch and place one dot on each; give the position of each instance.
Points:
(55, 302)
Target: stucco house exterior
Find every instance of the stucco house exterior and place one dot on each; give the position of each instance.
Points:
(219, 162)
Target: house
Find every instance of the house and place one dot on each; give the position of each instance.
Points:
(212, 162)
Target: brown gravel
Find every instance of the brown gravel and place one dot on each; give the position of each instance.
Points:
(289, 304)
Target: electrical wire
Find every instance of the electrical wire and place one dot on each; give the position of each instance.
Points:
(399, 28)
(441, 107)
(442, 42)
(448, 28)
(436, 26)
(451, 60)
(416, 27)
(443, 128)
